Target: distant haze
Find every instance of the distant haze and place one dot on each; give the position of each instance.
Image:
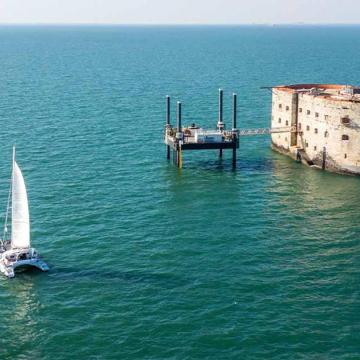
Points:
(180, 11)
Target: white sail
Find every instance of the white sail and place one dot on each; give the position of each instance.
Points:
(20, 225)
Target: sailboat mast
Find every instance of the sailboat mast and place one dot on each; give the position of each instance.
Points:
(9, 198)
(13, 159)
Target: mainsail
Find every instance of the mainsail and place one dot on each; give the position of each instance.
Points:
(20, 225)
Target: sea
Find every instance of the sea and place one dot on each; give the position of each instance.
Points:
(148, 261)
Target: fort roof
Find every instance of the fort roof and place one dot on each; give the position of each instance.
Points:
(329, 91)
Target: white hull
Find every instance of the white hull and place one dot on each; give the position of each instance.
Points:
(13, 259)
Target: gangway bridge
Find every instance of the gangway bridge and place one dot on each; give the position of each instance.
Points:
(266, 131)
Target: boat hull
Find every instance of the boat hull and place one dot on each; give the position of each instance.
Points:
(8, 267)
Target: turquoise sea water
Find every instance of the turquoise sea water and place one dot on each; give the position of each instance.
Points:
(148, 262)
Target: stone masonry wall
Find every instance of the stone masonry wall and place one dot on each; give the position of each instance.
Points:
(284, 111)
(328, 130)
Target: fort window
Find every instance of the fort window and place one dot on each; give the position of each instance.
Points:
(280, 106)
(315, 131)
(307, 127)
(326, 134)
(345, 137)
(279, 120)
(299, 125)
(306, 144)
(287, 108)
(300, 110)
(308, 112)
(345, 120)
(345, 156)
(326, 117)
(315, 148)
(286, 123)
(316, 114)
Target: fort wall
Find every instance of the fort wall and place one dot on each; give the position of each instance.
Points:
(324, 125)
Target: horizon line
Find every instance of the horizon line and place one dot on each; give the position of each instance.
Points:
(173, 24)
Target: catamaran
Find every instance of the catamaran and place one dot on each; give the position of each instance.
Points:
(17, 252)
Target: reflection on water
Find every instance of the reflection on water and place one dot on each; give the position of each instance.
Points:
(20, 311)
(306, 204)
(312, 188)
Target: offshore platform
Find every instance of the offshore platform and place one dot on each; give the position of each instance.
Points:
(179, 138)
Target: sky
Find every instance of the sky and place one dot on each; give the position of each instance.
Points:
(179, 11)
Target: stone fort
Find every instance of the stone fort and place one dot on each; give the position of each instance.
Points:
(323, 122)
